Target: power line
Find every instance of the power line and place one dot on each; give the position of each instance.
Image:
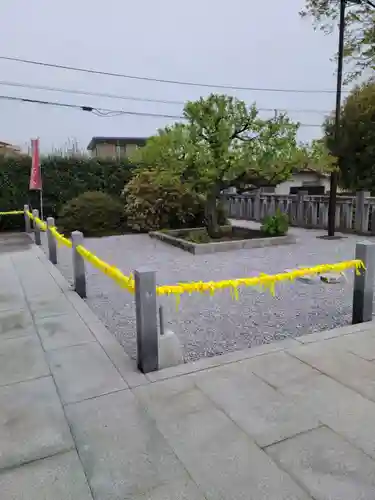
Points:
(104, 112)
(132, 98)
(160, 80)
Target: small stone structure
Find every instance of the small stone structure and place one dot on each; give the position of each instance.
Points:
(171, 237)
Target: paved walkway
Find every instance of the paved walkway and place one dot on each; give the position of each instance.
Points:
(284, 421)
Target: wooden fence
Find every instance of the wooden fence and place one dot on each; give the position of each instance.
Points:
(353, 213)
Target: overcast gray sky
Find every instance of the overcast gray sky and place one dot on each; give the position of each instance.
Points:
(241, 42)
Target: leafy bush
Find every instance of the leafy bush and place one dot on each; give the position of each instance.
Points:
(154, 202)
(200, 236)
(63, 179)
(94, 213)
(275, 225)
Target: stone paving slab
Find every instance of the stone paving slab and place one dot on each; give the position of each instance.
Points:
(361, 344)
(326, 465)
(32, 423)
(261, 411)
(83, 372)
(343, 366)
(46, 306)
(62, 331)
(21, 359)
(340, 408)
(278, 369)
(123, 453)
(16, 323)
(223, 461)
(231, 357)
(60, 477)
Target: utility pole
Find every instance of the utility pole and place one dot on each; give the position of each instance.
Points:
(334, 174)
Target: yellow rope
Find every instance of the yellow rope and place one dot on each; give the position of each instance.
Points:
(12, 212)
(266, 281)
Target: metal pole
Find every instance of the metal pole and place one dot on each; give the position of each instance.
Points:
(41, 203)
(334, 175)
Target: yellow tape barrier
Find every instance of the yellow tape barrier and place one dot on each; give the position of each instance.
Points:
(60, 238)
(266, 281)
(12, 212)
(113, 272)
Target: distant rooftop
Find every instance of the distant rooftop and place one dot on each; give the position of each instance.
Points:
(119, 141)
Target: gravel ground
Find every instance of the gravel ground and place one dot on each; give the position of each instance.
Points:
(208, 326)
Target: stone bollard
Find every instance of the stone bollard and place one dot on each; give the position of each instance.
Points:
(364, 283)
(360, 222)
(257, 206)
(301, 208)
(52, 247)
(27, 219)
(147, 322)
(79, 275)
(38, 241)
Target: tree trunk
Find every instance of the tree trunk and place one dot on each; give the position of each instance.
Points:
(212, 224)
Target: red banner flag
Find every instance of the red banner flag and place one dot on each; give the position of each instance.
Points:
(35, 177)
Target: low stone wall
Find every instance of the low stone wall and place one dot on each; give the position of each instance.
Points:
(171, 238)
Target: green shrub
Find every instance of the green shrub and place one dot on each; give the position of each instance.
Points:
(161, 203)
(94, 213)
(199, 236)
(64, 178)
(275, 225)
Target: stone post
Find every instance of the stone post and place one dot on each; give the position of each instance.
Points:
(36, 228)
(52, 247)
(360, 219)
(314, 213)
(79, 274)
(257, 206)
(300, 208)
(146, 318)
(364, 283)
(27, 219)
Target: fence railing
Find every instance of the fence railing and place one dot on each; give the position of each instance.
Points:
(353, 213)
(143, 283)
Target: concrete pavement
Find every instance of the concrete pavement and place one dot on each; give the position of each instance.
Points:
(289, 420)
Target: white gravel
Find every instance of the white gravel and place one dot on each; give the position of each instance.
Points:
(208, 326)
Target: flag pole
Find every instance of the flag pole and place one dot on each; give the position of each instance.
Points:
(41, 203)
(41, 184)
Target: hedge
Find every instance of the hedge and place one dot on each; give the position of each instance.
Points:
(63, 179)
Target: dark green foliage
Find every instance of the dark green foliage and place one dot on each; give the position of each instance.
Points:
(94, 213)
(161, 202)
(63, 179)
(356, 145)
(275, 225)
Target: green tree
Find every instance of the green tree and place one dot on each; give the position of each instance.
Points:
(356, 146)
(359, 48)
(224, 144)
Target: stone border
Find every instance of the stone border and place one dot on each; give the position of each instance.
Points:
(223, 246)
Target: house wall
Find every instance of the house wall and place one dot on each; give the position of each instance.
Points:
(105, 151)
(113, 151)
(301, 179)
